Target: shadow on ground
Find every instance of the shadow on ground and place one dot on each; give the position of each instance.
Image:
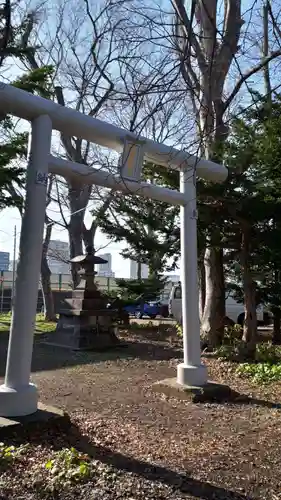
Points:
(50, 358)
(182, 482)
(47, 357)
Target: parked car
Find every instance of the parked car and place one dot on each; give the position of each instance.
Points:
(162, 306)
(235, 312)
(150, 309)
(148, 305)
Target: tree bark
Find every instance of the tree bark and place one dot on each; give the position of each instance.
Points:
(89, 235)
(78, 201)
(139, 271)
(48, 299)
(250, 321)
(75, 247)
(212, 326)
(155, 266)
(202, 290)
(276, 338)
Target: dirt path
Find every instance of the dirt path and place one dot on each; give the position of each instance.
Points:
(198, 451)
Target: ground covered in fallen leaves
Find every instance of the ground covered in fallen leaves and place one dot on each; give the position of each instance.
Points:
(137, 445)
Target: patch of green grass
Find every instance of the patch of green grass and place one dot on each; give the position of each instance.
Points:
(41, 326)
(268, 353)
(264, 369)
(179, 330)
(267, 365)
(68, 466)
(261, 373)
(8, 454)
(141, 326)
(4, 327)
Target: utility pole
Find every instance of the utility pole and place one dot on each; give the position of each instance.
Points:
(14, 265)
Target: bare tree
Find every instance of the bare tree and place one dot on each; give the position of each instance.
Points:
(209, 53)
(208, 49)
(85, 59)
(101, 75)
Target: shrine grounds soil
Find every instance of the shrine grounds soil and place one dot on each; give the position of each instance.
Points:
(144, 446)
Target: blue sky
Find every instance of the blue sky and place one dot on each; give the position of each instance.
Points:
(10, 218)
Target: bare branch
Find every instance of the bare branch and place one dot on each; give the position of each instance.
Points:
(71, 151)
(247, 75)
(188, 32)
(231, 35)
(273, 20)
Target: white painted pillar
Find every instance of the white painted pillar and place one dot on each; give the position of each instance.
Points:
(18, 396)
(191, 372)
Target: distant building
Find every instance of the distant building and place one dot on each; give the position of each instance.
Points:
(106, 274)
(144, 271)
(106, 269)
(58, 257)
(4, 261)
(12, 264)
(134, 270)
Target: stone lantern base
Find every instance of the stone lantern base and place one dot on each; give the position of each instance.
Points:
(85, 330)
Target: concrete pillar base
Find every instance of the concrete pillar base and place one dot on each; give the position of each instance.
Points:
(18, 402)
(208, 393)
(194, 376)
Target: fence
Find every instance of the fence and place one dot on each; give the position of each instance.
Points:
(59, 283)
(61, 287)
(63, 282)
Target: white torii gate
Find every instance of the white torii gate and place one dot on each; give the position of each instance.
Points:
(18, 396)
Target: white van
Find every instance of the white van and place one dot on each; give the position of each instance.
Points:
(234, 311)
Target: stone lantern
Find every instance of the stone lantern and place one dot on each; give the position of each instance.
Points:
(87, 323)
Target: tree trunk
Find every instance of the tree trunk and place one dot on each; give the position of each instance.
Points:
(78, 201)
(276, 338)
(89, 236)
(75, 245)
(212, 326)
(202, 290)
(155, 266)
(48, 299)
(250, 321)
(139, 277)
